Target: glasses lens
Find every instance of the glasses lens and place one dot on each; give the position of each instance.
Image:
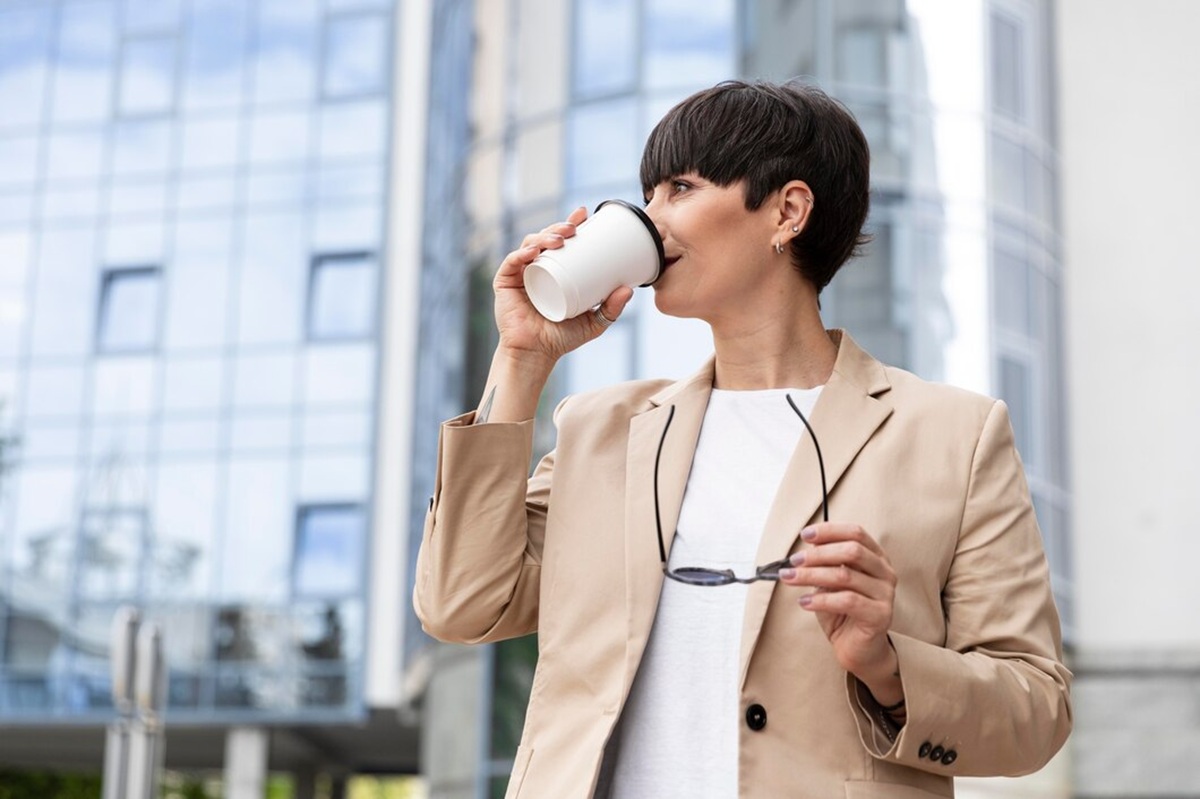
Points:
(697, 576)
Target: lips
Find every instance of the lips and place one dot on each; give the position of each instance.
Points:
(669, 262)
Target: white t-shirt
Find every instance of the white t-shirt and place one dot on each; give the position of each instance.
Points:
(678, 734)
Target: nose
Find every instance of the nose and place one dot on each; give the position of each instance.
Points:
(654, 211)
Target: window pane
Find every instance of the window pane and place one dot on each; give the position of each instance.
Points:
(688, 43)
(1008, 67)
(286, 51)
(209, 143)
(193, 384)
(280, 137)
(54, 392)
(1016, 390)
(352, 130)
(44, 545)
(75, 155)
(83, 67)
(110, 554)
(19, 161)
(605, 38)
(329, 551)
(603, 144)
(1013, 292)
(125, 387)
(216, 54)
(129, 311)
(198, 284)
(339, 374)
(265, 381)
(270, 299)
(24, 48)
(148, 76)
(184, 528)
(343, 297)
(65, 294)
(141, 16)
(355, 56)
(260, 519)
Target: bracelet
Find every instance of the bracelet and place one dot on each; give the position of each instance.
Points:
(892, 708)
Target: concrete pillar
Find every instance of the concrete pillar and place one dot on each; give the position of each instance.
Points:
(246, 763)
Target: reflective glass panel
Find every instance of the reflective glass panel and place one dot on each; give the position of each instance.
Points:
(137, 199)
(339, 374)
(67, 204)
(142, 16)
(190, 436)
(129, 309)
(603, 142)
(110, 553)
(329, 550)
(216, 54)
(198, 284)
(1016, 389)
(43, 546)
(1008, 67)
(125, 386)
(193, 384)
(606, 40)
(210, 143)
(249, 634)
(148, 76)
(348, 226)
(286, 51)
(256, 551)
(266, 380)
(352, 130)
(355, 55)
(75, 155)
(19, 161)
(135, 242)
(272, 279)
(342, 296)
(83, 65)
(253, 434)
(42, 443)
(324, 429)
(328, 630)
(334, 478)
(24, 51)
(280, 137)
(54, 391)
(183, 528)
(62, 321)
(688, 43)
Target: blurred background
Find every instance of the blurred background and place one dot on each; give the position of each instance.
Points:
(245, 258)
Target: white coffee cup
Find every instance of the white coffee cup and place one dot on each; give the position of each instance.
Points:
(617, 245)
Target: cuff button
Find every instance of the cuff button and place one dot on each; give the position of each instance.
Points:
(937, 753)
(925, 749)
(949, 757)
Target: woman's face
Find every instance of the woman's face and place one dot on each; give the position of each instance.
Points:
(719, 255)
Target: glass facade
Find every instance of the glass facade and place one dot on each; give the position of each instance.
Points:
(961, 283)
(192, 206)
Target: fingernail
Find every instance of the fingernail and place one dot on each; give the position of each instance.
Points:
(787, 574)
(797, 559)
(555, 237)
(808, 533)
(806, 600)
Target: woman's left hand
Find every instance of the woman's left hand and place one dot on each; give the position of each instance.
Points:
(855, 591)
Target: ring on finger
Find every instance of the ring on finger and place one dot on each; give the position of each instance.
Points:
(601, 318)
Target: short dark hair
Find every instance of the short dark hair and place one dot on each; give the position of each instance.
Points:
(769, 134)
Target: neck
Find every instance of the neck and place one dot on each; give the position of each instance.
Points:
(774, 351)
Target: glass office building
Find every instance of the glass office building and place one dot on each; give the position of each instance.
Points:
(962, 281)
(196, 252)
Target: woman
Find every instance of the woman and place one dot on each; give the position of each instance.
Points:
(730, 602)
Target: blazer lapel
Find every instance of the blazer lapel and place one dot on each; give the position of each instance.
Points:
(845, 417)
(643, 562)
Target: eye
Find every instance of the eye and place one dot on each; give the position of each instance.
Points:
(678, 186)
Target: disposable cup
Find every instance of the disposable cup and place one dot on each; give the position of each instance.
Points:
(617, 245)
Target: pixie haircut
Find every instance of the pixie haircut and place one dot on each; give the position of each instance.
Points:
(768, 134)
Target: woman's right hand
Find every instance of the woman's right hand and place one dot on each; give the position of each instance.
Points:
(524, 333)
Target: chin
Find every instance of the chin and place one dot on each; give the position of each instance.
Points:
(669, 306)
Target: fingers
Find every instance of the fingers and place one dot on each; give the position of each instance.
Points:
(613, 305)
(847, 567)
(549, 238)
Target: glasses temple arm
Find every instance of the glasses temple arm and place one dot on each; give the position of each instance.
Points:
(820, 460)
(662, 548)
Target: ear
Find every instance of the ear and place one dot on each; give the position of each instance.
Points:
(795, 203)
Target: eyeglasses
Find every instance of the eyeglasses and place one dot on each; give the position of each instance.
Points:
(698, 575)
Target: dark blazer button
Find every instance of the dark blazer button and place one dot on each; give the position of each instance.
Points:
(936, 753)
(756, 717)
(925, 749)
(949, 757)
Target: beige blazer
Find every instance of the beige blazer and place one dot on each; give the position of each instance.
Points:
(930, 471)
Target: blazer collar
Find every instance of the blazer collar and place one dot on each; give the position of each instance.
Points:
(846, 415)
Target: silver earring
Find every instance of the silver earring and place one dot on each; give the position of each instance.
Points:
(795, 228)
(778, 248)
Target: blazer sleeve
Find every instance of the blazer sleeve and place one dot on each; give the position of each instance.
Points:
(479, 565)
(995, 699)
